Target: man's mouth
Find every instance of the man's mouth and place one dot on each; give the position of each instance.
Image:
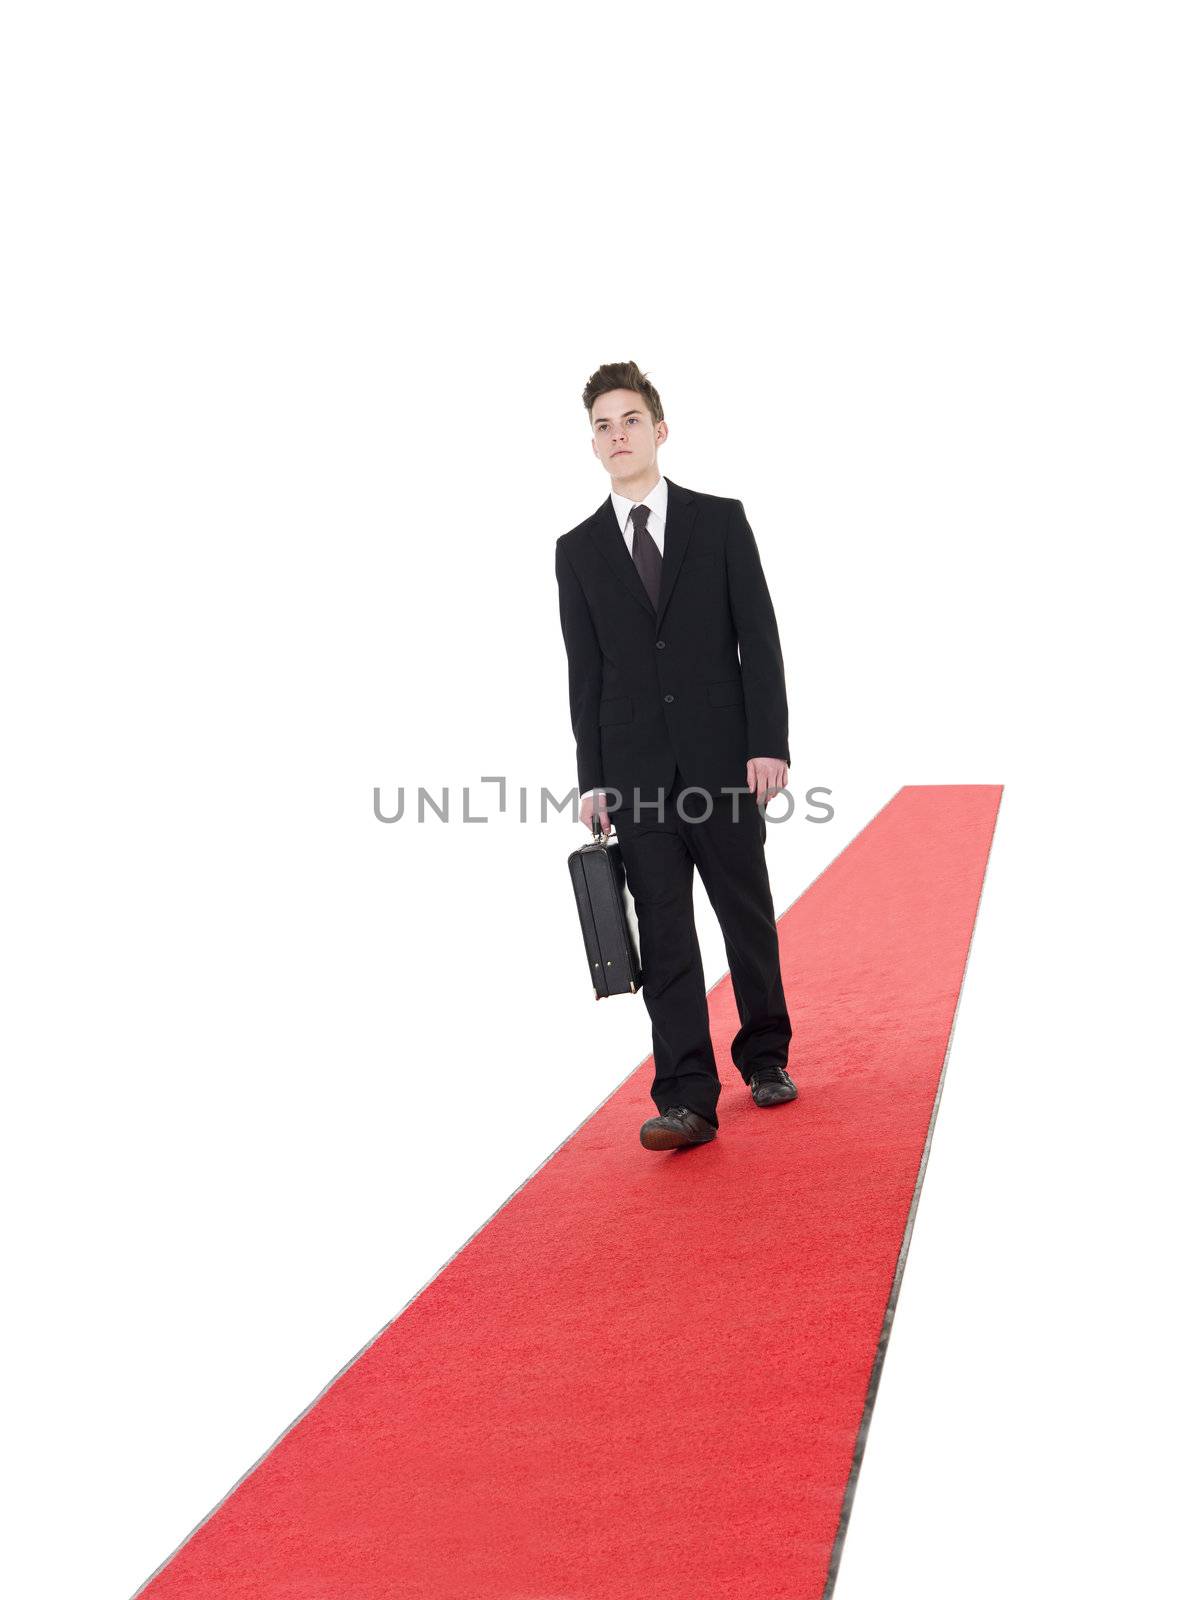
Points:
(622, 452)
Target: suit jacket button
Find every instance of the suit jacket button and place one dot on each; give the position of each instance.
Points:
(668, 698)
(660, 644)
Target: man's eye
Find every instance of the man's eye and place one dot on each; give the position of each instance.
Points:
(632, 422)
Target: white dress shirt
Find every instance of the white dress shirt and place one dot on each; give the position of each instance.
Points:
(656, 526)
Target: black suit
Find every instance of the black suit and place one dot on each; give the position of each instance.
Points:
(651, 692)
(660, 701)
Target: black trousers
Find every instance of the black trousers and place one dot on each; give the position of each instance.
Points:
(661, 850)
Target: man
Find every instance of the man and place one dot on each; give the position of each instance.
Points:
(678, 706)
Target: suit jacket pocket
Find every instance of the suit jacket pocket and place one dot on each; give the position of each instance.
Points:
(725, 694)
(618, 709)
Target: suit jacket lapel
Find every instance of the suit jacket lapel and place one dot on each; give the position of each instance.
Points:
(681, 513)
(606, 530)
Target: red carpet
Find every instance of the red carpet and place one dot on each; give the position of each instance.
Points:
(620, 1390)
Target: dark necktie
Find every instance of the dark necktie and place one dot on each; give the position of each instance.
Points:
(647, 557)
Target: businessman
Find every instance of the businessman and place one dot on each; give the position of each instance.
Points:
(679, 711)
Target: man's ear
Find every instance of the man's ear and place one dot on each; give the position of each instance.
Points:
(660, 432)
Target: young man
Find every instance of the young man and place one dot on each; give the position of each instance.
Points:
(678, 706)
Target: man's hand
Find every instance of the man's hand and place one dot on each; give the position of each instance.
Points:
(588, 807)
(766, 776)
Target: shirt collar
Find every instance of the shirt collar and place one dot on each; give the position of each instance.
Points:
(656, 500)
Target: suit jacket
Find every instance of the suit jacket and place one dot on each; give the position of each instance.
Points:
(652, 690)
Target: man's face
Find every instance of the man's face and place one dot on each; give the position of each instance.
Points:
(624, 438)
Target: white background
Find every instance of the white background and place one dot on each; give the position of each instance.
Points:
(298, 305)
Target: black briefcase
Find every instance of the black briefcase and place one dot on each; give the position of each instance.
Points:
(605, 915)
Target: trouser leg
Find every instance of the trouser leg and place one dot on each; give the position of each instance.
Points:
(659, 872)
(731, 860)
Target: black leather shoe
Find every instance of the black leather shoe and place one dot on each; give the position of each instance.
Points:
(676, 1126)
(771, 1086)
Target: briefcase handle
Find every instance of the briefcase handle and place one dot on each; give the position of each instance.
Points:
(597, 834)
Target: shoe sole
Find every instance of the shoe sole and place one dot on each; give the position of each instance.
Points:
(664, 1139)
